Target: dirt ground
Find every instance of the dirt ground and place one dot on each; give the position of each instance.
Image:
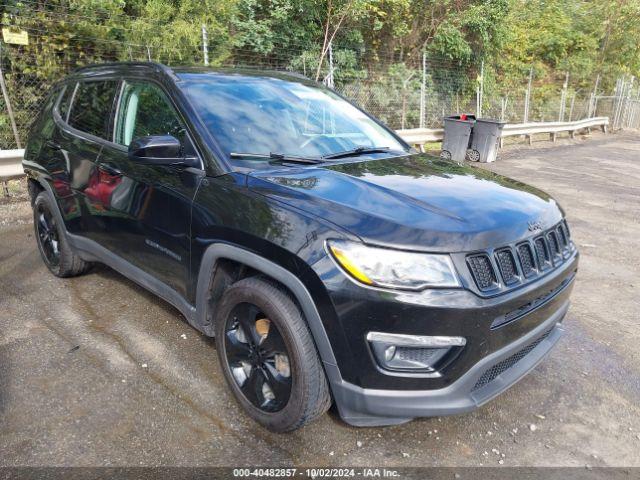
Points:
(96, 371)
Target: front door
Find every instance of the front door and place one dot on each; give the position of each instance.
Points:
(149, 206)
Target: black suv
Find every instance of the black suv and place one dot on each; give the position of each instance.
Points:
(332, 263)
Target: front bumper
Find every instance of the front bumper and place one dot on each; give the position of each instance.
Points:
(486, 379)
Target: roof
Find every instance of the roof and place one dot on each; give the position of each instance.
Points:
(174, 72)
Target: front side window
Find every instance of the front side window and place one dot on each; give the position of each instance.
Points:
(266, 115)
(145, 110)
(91, 109)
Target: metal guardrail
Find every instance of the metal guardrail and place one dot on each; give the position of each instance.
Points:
(553, 128)
(11, 164)
(420, 136)
(11, 160)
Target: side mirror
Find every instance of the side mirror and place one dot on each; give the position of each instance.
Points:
(160, 150)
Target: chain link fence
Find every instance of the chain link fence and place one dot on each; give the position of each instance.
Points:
(402, 92)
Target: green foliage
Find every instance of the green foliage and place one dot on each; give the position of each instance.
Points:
(377, 50)
(577, 36)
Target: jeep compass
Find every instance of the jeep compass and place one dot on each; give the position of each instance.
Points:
(332, 263)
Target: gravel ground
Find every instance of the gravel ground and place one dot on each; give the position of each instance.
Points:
(95, 371)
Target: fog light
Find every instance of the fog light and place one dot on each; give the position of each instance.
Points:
(389, 352)
(411, 352)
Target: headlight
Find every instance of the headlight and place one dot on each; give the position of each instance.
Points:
(382, 267)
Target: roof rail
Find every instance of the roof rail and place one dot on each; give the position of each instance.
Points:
(156, 65)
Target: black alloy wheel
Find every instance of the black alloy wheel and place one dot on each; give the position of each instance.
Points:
(48, 238)
(258, 358)
(268, 356)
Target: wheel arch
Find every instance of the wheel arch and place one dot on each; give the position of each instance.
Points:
(37, 184)
(34, 187)
(215, 258)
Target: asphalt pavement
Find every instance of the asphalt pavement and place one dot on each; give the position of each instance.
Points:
(95, 371)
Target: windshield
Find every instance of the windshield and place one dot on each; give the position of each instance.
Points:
(262, 115)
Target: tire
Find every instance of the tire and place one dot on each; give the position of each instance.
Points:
(445, 155)
(54, 248)
(308, 397)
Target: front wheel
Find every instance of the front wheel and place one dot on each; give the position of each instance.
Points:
(268, 356)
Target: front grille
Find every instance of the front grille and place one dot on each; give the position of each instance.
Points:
(521, 263)
(553, 244)
(499, 368)
(562, 236)
(542, 252)
(507, 266)
(526, 259)
(482, 271)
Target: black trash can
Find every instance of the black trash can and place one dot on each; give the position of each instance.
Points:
(457, 136)
(485, 139)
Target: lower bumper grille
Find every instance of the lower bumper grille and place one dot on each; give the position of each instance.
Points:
(493, 372)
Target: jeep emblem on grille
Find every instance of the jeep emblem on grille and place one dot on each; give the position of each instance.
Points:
(533, 226)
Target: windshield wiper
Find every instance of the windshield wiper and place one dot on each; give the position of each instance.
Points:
(356, 152)
(277, 157)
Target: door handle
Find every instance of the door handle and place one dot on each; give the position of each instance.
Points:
(110, 170)
(52, 145)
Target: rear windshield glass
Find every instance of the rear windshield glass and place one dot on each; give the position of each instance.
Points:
(265, 115)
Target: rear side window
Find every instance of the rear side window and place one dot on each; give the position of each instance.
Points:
(91, 107)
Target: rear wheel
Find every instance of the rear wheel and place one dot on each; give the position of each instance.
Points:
(268, 356)
(56, 252)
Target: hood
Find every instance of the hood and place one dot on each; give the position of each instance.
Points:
(417, 202)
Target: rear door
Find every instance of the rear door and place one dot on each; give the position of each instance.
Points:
(83, 118)
(148, 210)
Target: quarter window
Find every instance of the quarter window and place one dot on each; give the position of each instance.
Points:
(145, 110)
(65, 101)
(91, 109)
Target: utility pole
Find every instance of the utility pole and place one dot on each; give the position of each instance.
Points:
(7, 102)
(205, 47)
(330, 76)
(527, 97)
(423, 89)
(563, 98)
(636, 112)
(503, 108)
(573, 100)
(479, 91)
(620, 90)
(481, 87)
(594, 98)
(624, 120)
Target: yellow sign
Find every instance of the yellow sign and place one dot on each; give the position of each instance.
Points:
(19, 37)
